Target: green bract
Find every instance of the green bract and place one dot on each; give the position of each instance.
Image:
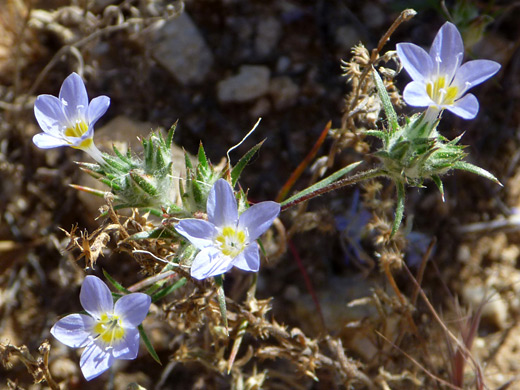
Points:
(140, 182)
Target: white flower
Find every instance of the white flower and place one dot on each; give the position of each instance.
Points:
(109, 332)
(439, 80)
(68, 120)
(225, 239)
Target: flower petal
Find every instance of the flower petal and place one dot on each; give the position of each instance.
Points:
(48, 111)
(132, 309)
(45, 141)
(257, 219)
(74, 330)
(415, 60)
(222, 205)
(128, 348)
(447, 51)
(97, 108)
(73, 95)
(94, 361)
(95, 297)
(249, 259)
(415, 95)
(199, 232)
(466, 108)
(210, 262)
(473, 73)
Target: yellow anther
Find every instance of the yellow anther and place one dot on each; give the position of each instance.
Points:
(441, 94)
(77, 130)
(231, 241)
(109, 329)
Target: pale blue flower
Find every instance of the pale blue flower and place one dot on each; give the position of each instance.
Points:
(439, 80)
(68, 120)
(108, 332)
(225, 239)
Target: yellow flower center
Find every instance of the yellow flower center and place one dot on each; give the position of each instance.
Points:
(440, 93)
(79, 128)
(109, 329)
(231, 242)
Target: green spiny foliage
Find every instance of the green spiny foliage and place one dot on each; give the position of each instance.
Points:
(415, 152)
(145, 182)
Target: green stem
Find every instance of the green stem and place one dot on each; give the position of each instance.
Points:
(366, 175)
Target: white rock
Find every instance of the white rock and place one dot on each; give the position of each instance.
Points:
(179, 47)
(251, 82)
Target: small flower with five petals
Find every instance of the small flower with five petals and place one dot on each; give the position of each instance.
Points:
(108, 332)
(227, 239)
(439, 80)
(68, 120)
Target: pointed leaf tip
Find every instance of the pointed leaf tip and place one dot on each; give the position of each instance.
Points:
(440, 186)
(466, 166)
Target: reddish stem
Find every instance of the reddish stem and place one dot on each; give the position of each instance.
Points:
(308, 283)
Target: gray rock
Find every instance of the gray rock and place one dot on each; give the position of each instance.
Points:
(346, 38)
(283, 64)
(179, 47)
(260, 108)
(268, 33)
(284, 92)
(373, 15)
(251, 82)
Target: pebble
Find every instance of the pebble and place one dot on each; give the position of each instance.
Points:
(268, 33)
(64, 368)
(494, 308)
(283, 64)
(373, 15)
(346, 38)
(178, 46)
(251, 82)
(261, 108)
(283, 91)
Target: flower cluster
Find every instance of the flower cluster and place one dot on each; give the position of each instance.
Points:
(213, 242)
(107, 332)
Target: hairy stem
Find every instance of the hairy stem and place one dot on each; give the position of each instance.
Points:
(366, 175)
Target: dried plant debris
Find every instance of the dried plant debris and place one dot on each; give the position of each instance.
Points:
(37, 367)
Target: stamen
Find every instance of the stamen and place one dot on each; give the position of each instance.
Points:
(231, 241)
(109, 329)
(440, 93)
(79, 128)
